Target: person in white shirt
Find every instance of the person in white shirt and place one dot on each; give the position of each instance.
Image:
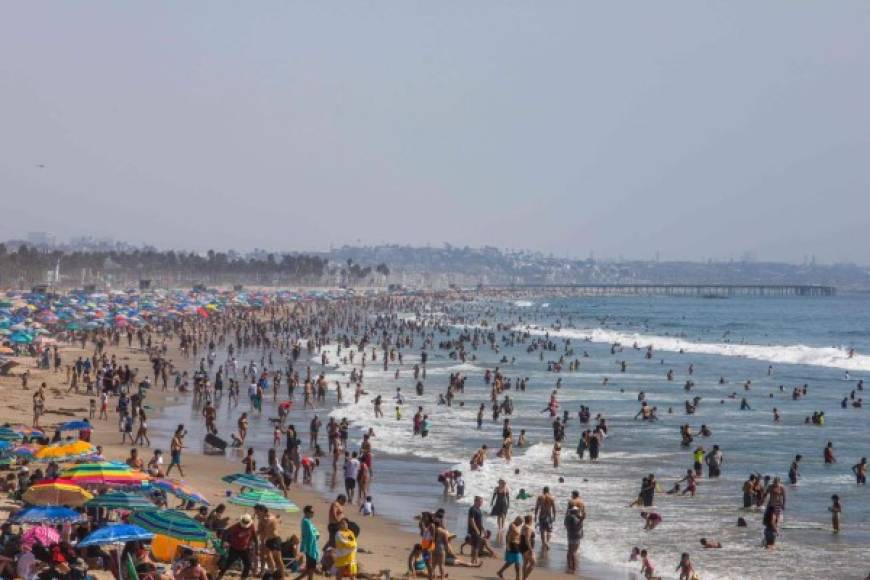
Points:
(351, 470)
(367, 508)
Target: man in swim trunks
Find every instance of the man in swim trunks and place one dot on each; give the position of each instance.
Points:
(475, 528)
(545, 514)
(776, 501)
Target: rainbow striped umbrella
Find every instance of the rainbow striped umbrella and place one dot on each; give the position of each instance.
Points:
(105, 473)
(56, 494)
(171, 523)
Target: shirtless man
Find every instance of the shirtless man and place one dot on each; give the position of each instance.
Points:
(776, 500)
(336, 514)
(576, 502)
(478, 458)
(210, 414)
(267, 534)
(545, 515)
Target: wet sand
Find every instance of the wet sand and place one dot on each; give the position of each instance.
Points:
(384, 543)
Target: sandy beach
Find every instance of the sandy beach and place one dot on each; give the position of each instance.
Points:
(384, 545)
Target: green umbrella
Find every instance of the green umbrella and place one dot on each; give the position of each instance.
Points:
(122, 500)
(248, 480)
(270, 499)
(7, 434)
(171, 523)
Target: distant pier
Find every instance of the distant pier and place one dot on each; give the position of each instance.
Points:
(697, 290)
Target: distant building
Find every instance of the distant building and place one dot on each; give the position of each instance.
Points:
(40, 239)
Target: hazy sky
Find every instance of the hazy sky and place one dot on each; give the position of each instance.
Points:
(697, 129)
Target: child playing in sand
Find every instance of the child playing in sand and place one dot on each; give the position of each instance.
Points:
(367, 508)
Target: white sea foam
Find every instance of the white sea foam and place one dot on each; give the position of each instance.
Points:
(799, 354)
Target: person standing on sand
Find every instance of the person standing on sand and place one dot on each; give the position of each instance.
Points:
(243, 427)
(545, 514)
(475, 528)
(513, 555)
(175, 448)
(142, 433)
(38, 404)
(240, 537)
(309, 544)
(336, 514)
(269, 542)
(527, 545)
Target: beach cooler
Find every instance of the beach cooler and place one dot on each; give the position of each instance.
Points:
(214, 445)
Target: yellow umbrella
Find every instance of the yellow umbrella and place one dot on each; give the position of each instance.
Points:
(56, 494)
(73, 449)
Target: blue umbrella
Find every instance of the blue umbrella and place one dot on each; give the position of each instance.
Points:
(47, 514)
(78, 425)
(116, 534)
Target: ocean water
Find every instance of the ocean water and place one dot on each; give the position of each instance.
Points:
(804, 340)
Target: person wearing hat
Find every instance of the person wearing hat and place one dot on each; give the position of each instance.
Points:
(240, 537)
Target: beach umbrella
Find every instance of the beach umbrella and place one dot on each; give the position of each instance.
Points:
(64, 450)
(171, 528)
(249, 480)
(47, 514)
(78, 425)
(41, 534)
(122, 500)
(7, 434)
(56, 494)
(173, 524)
(264, 497)
(21, 338)
(27, 430)
(116, 534)
(180, 490)
(105, 473)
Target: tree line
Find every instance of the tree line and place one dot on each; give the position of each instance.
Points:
(29, 265)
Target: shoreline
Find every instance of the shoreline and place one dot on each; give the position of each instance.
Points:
(386, 540)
